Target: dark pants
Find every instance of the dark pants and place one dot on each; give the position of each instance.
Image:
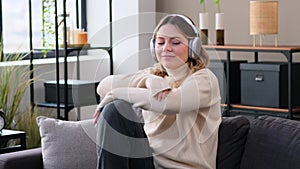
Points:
(121, 140)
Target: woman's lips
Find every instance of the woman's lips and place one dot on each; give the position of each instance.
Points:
(168, 55)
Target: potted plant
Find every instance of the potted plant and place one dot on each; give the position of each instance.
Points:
(219, 23)
(14, 83)
(26, 121)
(203, 23)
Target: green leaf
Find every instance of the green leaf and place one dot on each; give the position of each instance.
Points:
(218, 5)
(202, 2)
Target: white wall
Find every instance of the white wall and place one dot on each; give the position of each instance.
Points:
(147, 23)
(131, 22)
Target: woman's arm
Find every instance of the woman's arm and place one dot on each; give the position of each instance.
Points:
(198, 91)
(148, 85)
(113, 82)
(117, 81)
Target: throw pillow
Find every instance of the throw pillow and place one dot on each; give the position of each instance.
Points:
(68, 144)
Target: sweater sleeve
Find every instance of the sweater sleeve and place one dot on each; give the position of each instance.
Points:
(124, 80)
(199, 90)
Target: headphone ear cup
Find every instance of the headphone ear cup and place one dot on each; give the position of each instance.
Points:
(152, 49)
(195, 46)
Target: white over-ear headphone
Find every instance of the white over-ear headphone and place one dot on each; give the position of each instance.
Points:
(195, 44)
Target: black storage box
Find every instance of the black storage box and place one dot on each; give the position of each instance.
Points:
(80, 92)
(266, 84)
(218, 67)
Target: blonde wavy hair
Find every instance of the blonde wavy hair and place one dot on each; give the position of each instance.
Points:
(195, 64)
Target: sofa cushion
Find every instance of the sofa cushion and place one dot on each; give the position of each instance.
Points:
(232, 137)
(68, 144)
(272, 143)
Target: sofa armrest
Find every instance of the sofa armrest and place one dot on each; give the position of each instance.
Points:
(29, 159)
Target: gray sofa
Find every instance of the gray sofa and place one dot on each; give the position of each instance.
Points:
(263, 143)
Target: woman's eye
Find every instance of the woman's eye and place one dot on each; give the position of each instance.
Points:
(160, 43)
(176, 43)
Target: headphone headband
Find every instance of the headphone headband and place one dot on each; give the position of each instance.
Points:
(189, 21)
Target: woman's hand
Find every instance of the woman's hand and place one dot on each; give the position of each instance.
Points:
(107, 99)
(162, 95)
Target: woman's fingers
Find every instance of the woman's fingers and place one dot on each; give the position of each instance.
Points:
(107, 99)
(96, 116)
(161, 95)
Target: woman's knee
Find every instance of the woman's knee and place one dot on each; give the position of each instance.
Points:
(120, 116)
(116, 109)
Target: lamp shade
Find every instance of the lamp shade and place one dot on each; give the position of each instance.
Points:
(263, 17)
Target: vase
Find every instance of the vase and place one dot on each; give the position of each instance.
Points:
(220, 34)
(203, 25)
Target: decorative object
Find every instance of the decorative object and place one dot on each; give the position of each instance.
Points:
(203, 23)
(263, 19)
(220, 29)
(80, 36)
(219, 24)
(69, 29)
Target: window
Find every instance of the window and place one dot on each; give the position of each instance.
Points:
(16, 23)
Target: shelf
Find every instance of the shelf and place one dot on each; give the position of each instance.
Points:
(285, 50)
(281, 110)
(233, 47)
(65, 50)
(74, 47)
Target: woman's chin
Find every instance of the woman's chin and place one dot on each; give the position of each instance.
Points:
(169, 65)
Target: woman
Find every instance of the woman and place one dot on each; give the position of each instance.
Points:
(180, 102)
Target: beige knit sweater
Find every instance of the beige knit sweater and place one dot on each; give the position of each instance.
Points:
(183, 128)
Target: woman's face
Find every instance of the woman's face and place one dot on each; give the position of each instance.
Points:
(171, 47)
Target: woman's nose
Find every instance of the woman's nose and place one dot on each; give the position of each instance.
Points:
(167, 47)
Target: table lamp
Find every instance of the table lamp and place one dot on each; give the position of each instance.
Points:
(263, 19)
